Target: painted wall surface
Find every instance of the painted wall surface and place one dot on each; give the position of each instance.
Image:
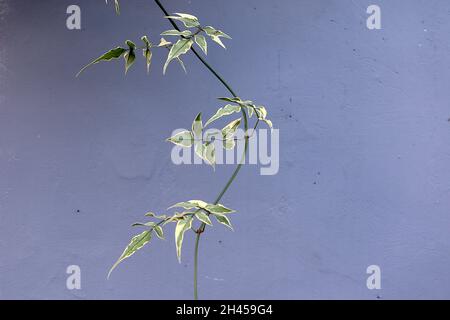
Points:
(364, 174)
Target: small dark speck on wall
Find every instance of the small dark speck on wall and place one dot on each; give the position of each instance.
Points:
(78, 211)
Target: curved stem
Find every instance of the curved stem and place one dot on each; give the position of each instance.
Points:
(238, 168)
(197, 240)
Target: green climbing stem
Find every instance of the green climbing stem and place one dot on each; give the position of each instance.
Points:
(238, 167)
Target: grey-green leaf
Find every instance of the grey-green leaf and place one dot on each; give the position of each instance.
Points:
(224, 111)
(153, 215)
(218, 209)
(180, 47)
(191, 204)
(188, 20)
(185, 33)
(159, 232)
(203, 217)
(229, 130)
(147, 224)
(200, 40)
(229, 144)
(148, 58)
(147, 42)
(136, 243)
(215, 35)
(209, 153)
(197, 127)
(182, 226)
(111, 54)
(183, 139)
(223, 220)
(129, 56)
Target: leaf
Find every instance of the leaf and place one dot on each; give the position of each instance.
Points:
(117, 6)
(215, 35)
(147, 42)
(148, 58)
(164, 43)
(261, 112)
(187, 16)
(147, 52)
(197, 126)
(235, 100)
(136, 243)
(180, 47)
(269, 123)
(211, 31)
(185, 33)
(191, 204)
(188, 20)
(229, 144)
(218, 209)
(229, 130)
(209, 153)
(201, 42)
(199, 149)
(159, 232)
(223, 220)
(224, 111)
(183, 139)
(182, 226)
(203, 217)
(111, 54)
(140, 224)
(153, 215)
(129, 56)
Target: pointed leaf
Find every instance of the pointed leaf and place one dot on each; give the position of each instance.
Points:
(164, 43)
(136, 243)
(129, 56)
(153, 215)
(182, 226)
(197, 127)
(215, 35)
(183, 139)
(191, 204)
(229, 130)
(218, 209)
(223, 220)
(185, 33)
(111, 54)
(203, 217)
(148, 58)
(201, 42)
(188, 20)
(224, 111)
(159, 232)
(147, 224)
(147, 42)
(229, 144)
(209, 153)
(180, 47)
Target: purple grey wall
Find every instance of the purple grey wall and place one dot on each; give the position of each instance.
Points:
(364, 148)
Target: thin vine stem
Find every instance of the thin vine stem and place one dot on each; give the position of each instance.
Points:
(239, 166)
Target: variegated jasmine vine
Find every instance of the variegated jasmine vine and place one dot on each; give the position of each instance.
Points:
(185, 214)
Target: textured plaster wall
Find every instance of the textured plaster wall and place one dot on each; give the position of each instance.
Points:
(364, 151)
